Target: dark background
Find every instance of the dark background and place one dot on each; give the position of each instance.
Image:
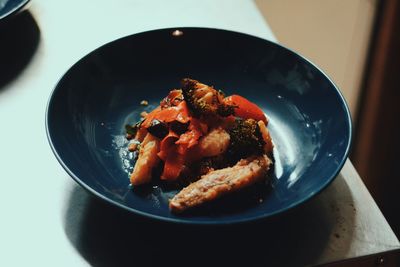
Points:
(376, 147)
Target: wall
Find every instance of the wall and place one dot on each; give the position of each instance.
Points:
(334, 34)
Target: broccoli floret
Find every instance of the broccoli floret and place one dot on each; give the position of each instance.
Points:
(246, 139)
(204, 100)
(226, 110)
(213, 163)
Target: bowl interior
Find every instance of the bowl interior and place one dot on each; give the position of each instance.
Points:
(309, 120)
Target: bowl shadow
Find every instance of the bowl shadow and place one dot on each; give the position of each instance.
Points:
(20, 37)
(108, 236)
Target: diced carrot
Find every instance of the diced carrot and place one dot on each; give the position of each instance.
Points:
(182, 149)
(167, 145)
(173, 166)
(175, 113)
(191, 137)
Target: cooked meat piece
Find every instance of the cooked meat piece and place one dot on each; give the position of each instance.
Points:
(220, 182)
(214, 143)
(140, 134)
(146, 161)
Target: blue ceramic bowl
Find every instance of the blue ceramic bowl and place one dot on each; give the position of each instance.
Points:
(309, 119)
(9, 7)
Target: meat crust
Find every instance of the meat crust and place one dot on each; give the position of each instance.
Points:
(146, 161)
(220, 182)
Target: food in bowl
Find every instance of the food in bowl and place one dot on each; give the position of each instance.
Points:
(216, 144)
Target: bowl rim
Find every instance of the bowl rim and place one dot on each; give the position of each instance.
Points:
(188, 220)
(14, 10)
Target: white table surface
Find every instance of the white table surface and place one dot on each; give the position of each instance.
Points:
(48, 220)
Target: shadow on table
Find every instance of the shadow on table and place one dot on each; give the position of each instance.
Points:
(19, 37)
(108, 236)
